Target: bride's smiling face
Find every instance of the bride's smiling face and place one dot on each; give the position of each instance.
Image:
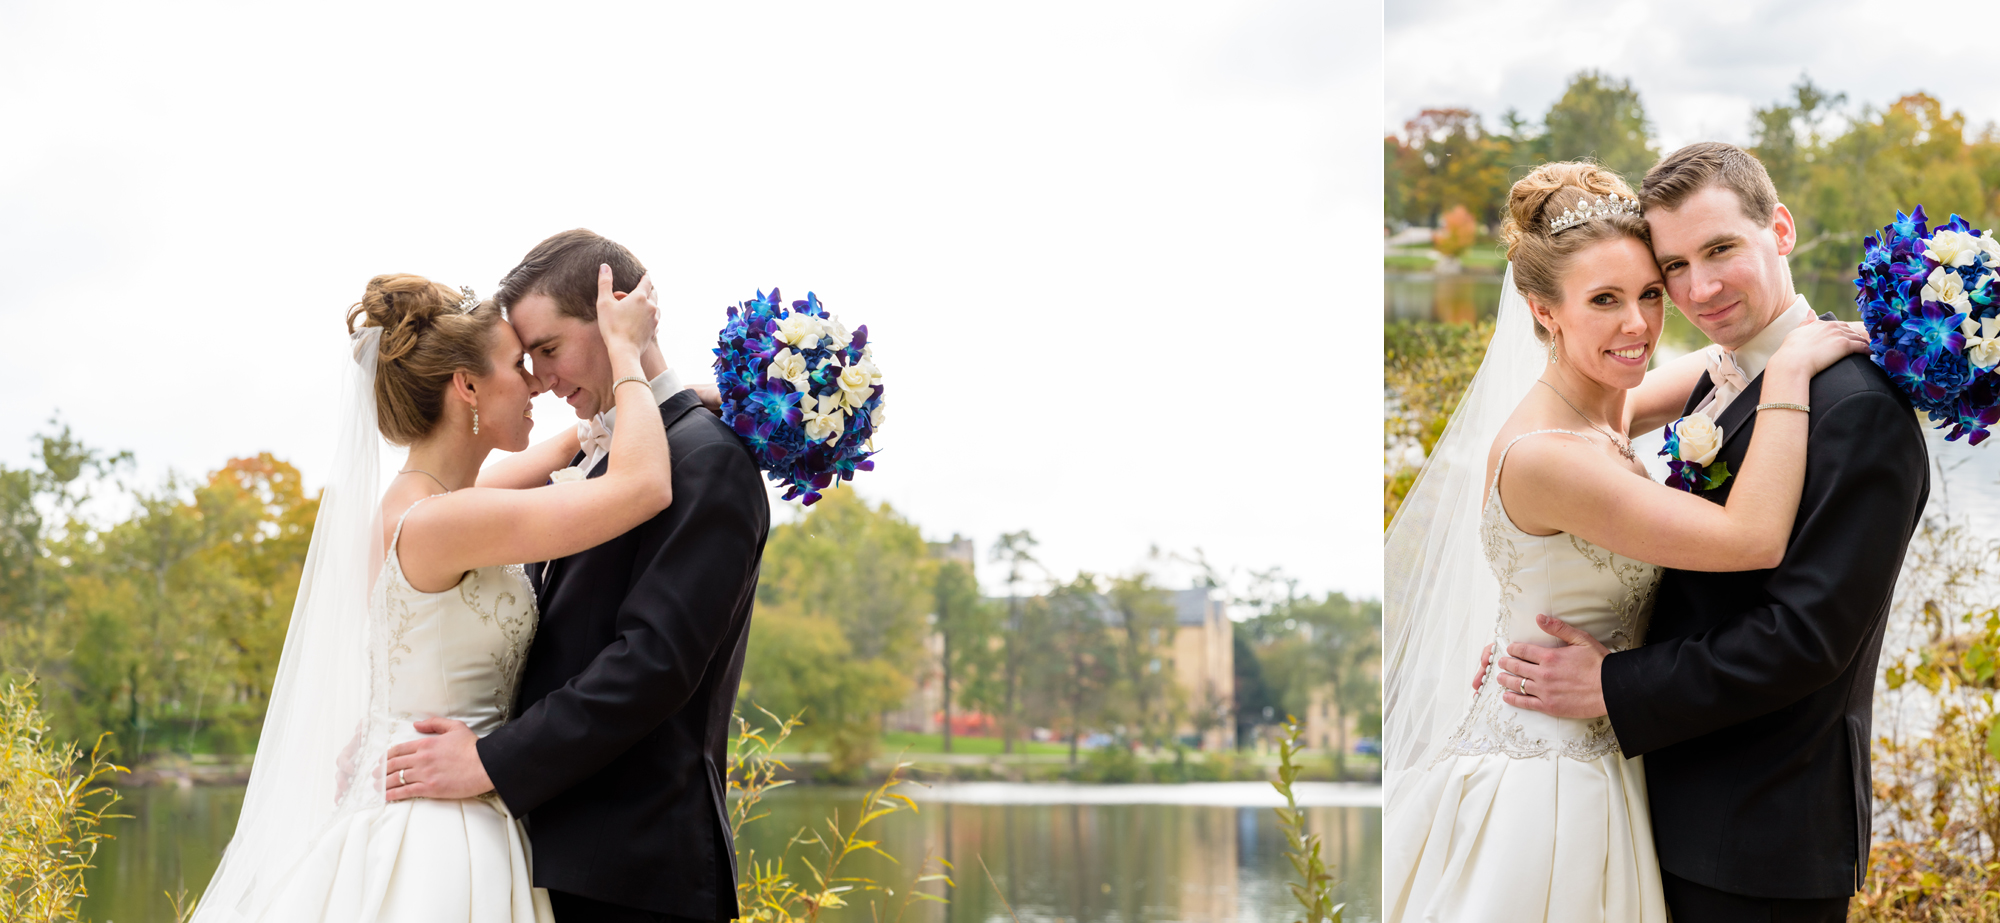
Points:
(1613, 306)
(506, 393)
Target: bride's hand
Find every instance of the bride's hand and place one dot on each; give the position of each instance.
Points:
(631, 319)
(1818, 344)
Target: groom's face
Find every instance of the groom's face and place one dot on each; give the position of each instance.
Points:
(1725, 270)
(568, 353)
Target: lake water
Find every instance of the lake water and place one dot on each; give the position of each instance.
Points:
(1192, 860)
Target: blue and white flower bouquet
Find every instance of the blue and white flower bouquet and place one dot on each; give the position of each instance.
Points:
(802, 392)
(1933, 318)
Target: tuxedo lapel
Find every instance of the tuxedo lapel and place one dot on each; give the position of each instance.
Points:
(544, 573)
(671, 409)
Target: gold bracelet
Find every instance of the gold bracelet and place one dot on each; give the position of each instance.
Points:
(1784, 405)
(615, 384)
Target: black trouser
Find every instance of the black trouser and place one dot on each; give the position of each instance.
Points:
(1694, 903)
(571, 908)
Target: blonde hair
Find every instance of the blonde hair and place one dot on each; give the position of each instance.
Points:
(1540, 258)
(426, 337)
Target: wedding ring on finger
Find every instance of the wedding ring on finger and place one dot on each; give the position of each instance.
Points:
(1524, 685)
(400, 780)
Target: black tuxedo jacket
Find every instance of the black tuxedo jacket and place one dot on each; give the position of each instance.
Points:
(617, 750)
(1751, 698)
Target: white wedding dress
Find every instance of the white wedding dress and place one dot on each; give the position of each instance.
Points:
(1522, 816)
(453, 654)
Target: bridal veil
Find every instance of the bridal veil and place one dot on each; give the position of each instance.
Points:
(318, 754)
(1439, 598)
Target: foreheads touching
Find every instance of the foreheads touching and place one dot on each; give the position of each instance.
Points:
(551, 301)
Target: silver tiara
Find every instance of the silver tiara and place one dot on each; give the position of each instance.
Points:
(1587, 209)
(470, 300)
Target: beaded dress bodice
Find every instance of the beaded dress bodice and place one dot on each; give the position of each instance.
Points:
(456, 653)
(1607, 595)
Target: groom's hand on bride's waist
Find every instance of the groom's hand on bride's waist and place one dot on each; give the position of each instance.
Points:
(1560, 681)
(443, 764)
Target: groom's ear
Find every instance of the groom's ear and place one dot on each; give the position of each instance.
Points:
(1786, 230)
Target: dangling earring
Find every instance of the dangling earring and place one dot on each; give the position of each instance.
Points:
(1552, 357)
(475, 421)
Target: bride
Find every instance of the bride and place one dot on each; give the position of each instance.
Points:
(413, 604)
(1498, 813)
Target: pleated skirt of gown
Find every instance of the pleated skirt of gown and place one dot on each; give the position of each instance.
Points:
(417, 861)
(1490, 838)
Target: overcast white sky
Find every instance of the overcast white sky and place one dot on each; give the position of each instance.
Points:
(1094, 243)
(1699, 67)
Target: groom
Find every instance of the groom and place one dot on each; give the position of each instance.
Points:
(1750, 699)
(618, 742)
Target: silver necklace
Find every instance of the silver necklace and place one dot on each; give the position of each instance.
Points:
(448, 490)
(1624, 448)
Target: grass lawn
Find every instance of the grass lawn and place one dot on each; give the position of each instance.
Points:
(1486, 256)
(1407, 262)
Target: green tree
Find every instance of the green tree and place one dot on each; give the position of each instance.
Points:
(840, 625)
(1601, 117)
(1146, 624)
(1072, 683)
(965, 625)
(1014, 551)
(1445, 158)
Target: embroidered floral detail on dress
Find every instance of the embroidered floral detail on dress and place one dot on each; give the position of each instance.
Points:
(517, 628)
(1491, 726)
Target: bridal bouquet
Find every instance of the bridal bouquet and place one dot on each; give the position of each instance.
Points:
(802, 391)
(1933, 318)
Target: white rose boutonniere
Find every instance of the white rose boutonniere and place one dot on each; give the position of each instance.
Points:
(566, 475)
(1692, 444)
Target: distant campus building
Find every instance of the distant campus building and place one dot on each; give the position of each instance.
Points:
(1202, 658)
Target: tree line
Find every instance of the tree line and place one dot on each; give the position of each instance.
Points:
(1843, 170)
(161, 623)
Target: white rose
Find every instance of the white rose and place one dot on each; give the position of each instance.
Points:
(1982, 342)
(790, 366)
(1991, 248)
(875, 417)
(1945, 287)
(1952, 248)
(800, 330)
(841, 338)
(567, 475)
(1699, 439)
(825, 422)
(855, 386)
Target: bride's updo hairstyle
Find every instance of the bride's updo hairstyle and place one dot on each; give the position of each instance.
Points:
(426, 336)
(1541, 257)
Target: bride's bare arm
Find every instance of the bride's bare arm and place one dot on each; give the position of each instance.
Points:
(1566, 485)
(1659, 399)
(532, 467)
(481, 526)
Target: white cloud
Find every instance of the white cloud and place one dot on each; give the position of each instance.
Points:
(1131, 207)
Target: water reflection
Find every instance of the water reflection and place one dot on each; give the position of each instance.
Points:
(1070, 862)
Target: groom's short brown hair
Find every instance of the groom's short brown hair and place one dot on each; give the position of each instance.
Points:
(1710, 163)
(564, 267)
